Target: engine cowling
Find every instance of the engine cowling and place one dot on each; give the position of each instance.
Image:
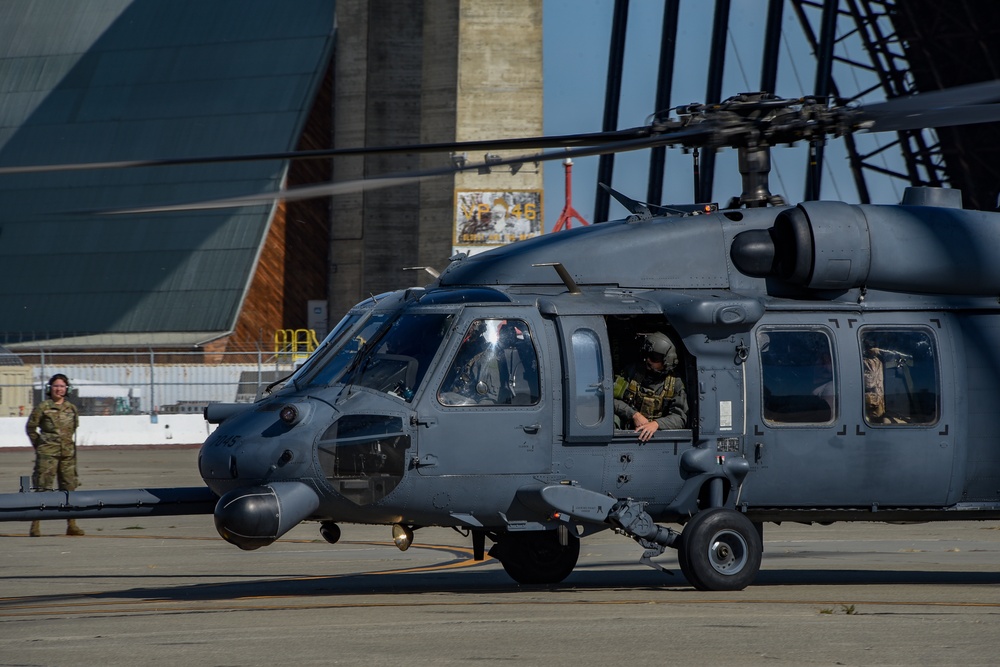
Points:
(837, 246)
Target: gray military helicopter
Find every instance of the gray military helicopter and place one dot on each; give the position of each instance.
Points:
(841, 363)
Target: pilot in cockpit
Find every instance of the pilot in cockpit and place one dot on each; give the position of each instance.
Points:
(503, 370)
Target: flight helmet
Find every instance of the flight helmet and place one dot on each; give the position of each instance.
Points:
(658, 346)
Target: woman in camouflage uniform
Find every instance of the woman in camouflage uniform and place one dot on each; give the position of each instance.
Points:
(52, 430)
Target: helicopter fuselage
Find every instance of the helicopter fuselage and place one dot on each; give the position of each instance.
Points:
(841, 363)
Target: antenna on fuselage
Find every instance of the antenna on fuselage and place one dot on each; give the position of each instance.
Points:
(564, 274)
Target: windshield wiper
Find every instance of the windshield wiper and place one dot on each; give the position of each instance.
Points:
(365, 350)
(268, 388)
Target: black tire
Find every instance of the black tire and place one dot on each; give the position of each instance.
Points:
(720, 550)
(682, 561)
(536, 557)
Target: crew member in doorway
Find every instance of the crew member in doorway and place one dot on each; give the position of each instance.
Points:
(648, 396)
(52, 431)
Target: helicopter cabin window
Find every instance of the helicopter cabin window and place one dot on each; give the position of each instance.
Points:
(900, 374)
(496, 364)
(588, 397)
(797, 371)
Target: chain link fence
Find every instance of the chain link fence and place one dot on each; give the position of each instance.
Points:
(141, 382)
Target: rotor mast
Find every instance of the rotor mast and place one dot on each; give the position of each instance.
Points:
(755, 166)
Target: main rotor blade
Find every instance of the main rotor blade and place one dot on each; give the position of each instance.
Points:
(969, 115)
(527, 143)
(407, 178)
(973, 93)
(962, 105)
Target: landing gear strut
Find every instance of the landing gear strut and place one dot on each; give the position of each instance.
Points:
(719, 550)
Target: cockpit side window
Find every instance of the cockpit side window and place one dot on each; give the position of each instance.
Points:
(900, 374)
(496, 364)
(798, 375)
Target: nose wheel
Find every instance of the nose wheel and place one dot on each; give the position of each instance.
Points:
(720, 550)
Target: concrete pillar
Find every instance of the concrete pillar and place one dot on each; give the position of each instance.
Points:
(412, 72)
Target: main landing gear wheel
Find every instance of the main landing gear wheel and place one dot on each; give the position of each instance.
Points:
(536, 557)
(720, 550)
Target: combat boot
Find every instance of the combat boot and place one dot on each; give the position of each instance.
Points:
(36, 529)
(73, 529)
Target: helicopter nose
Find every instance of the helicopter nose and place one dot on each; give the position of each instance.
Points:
(255, 516)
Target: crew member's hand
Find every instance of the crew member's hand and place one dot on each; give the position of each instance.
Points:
(644, 428)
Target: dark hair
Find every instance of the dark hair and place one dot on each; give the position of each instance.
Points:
(57, 376)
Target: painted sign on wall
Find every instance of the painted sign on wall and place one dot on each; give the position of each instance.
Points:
(490, 218)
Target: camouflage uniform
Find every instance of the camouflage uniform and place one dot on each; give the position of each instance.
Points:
(874, 380)
(658, 396)
(52, 430)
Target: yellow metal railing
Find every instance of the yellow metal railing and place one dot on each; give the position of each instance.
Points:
(294, 344)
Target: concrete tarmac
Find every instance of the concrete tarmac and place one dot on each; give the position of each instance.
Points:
(168, 590)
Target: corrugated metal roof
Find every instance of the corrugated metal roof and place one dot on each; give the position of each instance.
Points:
(8, 358)
(107, 80)
(131, 341)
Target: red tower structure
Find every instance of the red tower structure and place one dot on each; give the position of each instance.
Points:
(568, 212)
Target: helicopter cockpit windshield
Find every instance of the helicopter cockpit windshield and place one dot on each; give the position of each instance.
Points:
(387, 352)
(333, 354)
